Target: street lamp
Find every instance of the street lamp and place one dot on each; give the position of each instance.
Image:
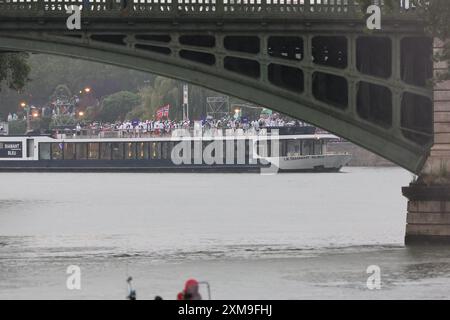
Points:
(27, 110)
(237, 113)
(81, 114)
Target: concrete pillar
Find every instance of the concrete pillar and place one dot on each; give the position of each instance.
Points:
(428, 219)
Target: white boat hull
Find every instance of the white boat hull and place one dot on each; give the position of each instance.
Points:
(327, 162)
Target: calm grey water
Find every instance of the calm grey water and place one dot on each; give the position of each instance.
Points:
(287, 236)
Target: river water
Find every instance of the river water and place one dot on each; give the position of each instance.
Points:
(285, 236)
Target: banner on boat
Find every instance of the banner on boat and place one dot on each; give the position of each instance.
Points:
(10, 150)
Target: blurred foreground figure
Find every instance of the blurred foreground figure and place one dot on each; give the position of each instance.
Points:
(190, 292)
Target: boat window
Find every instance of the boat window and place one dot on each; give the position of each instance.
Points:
(165, 151)
(44, 151)
(236, 152)
(142, 150)
(169, 149)
(93, 151)
(283, 148)
(171, 146)
(69, 151)
(247, 151)
(105, 151)
(318, 147)
(30, 148)
(192, 146)
(130, 151)
(117, 151)
(155, 151)
(262, 148)
(294, 147)
(298, 147)
(81, 151)
(57, 151)
(307, 147)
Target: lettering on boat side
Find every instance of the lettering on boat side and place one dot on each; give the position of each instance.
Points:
(10, 150)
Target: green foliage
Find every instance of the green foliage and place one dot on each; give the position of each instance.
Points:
(91, 113)
(62, 120)
(49, 72)
(61, 90)
(163, 91)
(44, 123)
(17, 127)
(14, 70)
(168, 91)
(116, 106)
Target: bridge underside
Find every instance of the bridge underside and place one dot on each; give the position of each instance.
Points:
(370, 89)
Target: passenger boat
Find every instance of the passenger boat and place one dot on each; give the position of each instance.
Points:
(236, 152)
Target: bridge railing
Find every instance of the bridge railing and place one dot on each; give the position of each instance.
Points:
(200, 8)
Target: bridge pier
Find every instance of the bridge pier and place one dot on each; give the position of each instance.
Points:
(428, 218)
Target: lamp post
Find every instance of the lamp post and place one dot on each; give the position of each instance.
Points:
(185, 102)
(25, 106)
(237, 113)
(86, 92)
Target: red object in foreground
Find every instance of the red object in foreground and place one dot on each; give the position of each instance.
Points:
(190, 284)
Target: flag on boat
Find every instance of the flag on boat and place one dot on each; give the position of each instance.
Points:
(163, 112)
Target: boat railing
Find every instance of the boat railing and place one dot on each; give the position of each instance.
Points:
(213, 132)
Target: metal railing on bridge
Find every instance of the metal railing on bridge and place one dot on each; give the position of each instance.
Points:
(233, 9)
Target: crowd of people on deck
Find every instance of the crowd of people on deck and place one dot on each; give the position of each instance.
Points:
(165, 127)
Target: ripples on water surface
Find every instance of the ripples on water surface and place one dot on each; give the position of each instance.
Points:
(309, 235)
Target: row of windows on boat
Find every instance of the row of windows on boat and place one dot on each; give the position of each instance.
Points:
(163, 150)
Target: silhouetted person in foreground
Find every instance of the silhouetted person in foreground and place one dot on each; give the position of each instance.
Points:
(191, 291)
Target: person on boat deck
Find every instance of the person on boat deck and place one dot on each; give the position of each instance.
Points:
(78, 129)
(190, 292)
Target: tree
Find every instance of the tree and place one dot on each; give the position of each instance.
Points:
(62, 120)
(48, 72)
(14, 70)
(17, 127)
(163, 91)
(168, 91)
(114, 107)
